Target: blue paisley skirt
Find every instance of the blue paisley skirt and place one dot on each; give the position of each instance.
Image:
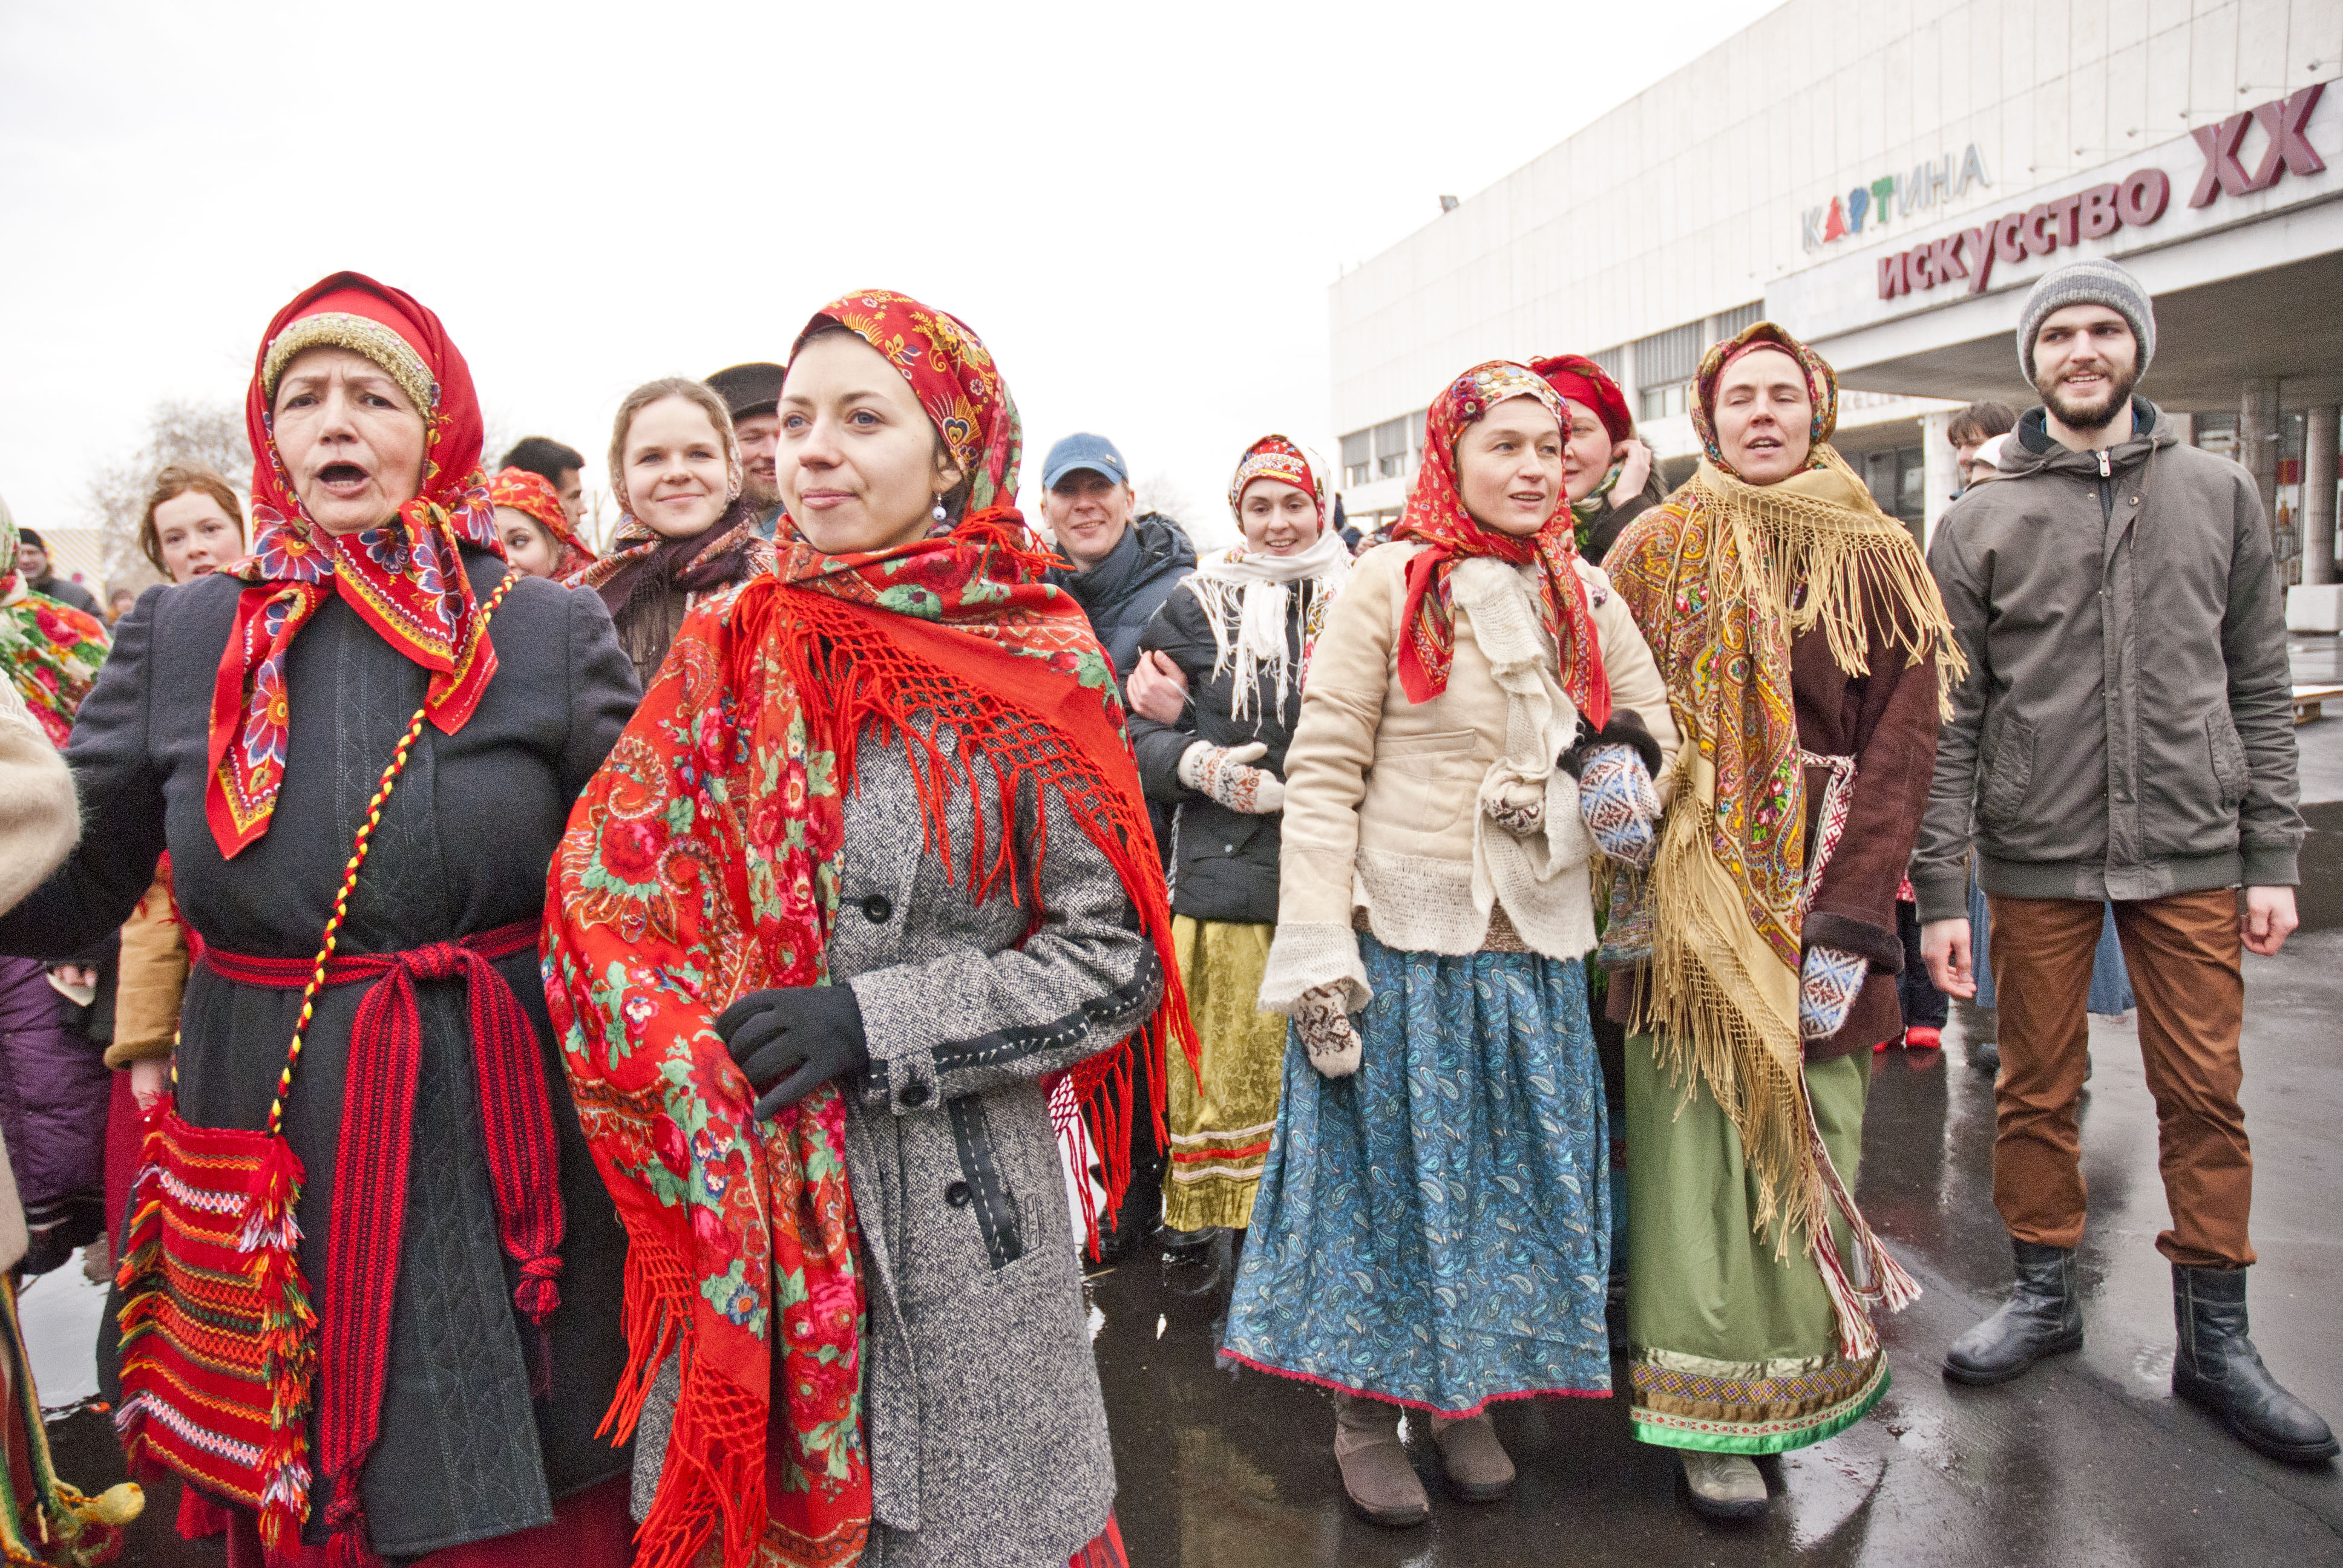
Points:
(1435, 1231)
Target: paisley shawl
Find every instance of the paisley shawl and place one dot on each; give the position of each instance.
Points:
(405, 579)
(702, 862)
(49, 651)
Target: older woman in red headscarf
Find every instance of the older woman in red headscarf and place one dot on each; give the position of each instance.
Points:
(358, 744)
(864, 895)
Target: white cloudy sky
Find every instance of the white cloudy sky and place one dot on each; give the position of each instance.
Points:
(1139, 208)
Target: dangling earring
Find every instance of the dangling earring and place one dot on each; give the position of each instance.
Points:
(939, 512)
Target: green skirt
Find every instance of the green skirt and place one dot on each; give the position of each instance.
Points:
(1733, 1350)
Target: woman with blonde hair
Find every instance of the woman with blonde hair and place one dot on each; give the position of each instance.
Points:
(686, 531)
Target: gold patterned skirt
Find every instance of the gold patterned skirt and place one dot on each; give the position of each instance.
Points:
(1221, 1126)
(1733, 1350)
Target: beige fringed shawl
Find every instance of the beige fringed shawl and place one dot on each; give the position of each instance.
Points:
(1721, 579)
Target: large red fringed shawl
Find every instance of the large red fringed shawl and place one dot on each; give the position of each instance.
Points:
(1435, 514)
(406, 579)
(702, 863)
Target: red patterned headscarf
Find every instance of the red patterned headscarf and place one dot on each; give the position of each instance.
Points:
(530, 494)
(1281, 459)
(1585, 382)
(952, 375)
(1821, 386)
(1435, 514)
(405, 579)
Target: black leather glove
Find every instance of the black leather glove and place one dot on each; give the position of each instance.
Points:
(792, 1041)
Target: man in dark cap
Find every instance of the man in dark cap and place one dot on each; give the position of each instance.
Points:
(33, 561)
(753, 393)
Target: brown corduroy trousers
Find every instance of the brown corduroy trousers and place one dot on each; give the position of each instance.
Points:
(2183, 951)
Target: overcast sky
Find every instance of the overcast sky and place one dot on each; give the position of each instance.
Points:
(1139, 208)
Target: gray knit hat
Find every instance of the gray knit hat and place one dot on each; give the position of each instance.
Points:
(2095, 281)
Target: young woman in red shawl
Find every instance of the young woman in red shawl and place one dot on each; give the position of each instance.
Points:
(405, 1335)
(535, 525)
(865, 896)
(1432, 1227)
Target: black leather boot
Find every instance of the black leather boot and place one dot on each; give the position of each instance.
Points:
(2043, 1317)
(2217, 1367)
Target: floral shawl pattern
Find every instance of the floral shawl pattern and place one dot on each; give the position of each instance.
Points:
(49, 651)
(1436, 513)
(406, 579)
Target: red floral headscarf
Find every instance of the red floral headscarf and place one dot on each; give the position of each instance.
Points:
(1821, 386)
(1281, 459)
(1436, 513)
(1583, 381)
(405, 577)
(528, 493)
(952, 375)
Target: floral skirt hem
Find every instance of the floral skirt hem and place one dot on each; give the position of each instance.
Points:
(1668, 1422)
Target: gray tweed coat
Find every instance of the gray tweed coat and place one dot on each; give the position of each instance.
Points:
(982, 1411)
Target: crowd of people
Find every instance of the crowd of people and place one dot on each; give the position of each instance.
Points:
(593, 1056)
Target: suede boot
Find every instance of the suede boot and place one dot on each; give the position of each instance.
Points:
(1381, 1484)
(2217, 1367)
(1478, 1468)
(2043, 1317)
(1723, 1485)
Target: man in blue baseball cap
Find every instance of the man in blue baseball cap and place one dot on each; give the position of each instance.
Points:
(1123, 567)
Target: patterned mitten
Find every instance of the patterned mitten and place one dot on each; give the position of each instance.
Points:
(1327, 1033)
(1826, 990)
(1519, 807)
(1222, 773)
(1621, 808)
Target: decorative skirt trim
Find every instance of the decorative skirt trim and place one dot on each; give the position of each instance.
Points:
(1229, 1357)
(1674, 1408)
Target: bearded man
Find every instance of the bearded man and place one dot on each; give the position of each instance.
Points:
(2126, 733)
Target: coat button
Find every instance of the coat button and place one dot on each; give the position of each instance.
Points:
(1228, 848)
(958, 1194)
(877, 909)
(914, 1094)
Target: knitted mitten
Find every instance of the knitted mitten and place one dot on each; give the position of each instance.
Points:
(1621, 808)
(1827, 988)
(1222, 772)
(1326, 1031)
(1519, 807)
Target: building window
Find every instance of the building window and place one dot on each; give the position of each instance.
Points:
(1392, 448)
(1358, 458)
(1610, 359)
(1731, 323)
(1897, 481)
(1664, 366)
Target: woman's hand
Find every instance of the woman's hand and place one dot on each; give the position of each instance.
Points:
(1327, 1033)
(790, 1041)
(1158, 688)
(1225, 773)
(149, 1078)
(1635, 469)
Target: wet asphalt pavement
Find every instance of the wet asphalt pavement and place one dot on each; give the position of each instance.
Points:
(2086, 1460)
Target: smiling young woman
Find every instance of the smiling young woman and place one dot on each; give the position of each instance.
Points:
(426, 1143)
(863, 892)
(1239, 634)
(688, 531)
(1477, 692)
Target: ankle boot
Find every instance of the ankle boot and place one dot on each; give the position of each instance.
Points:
(2217, 1367)
(1381, 1482)
(2043, 1317)
(1475, 1461)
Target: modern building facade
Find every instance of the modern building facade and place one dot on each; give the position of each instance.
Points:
(1887, 179)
